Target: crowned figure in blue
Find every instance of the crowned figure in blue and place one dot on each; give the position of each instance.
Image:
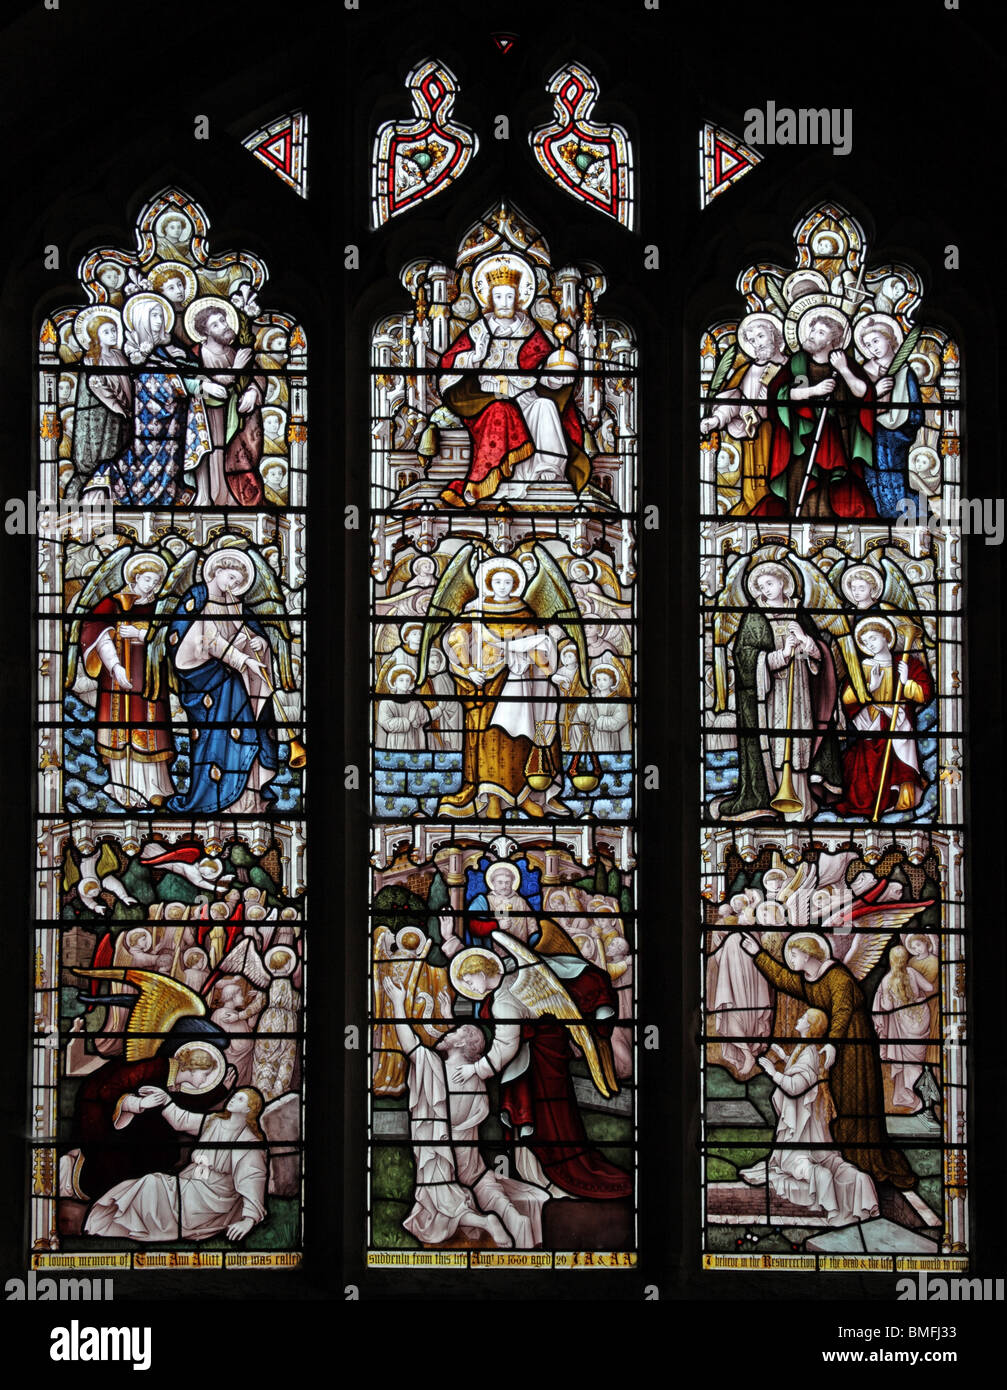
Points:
(224, 669)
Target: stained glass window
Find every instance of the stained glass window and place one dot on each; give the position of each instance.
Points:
(417, 159)
(282, 146)
(502, 928)
(589, 160)
(170, 875)
(833, 896)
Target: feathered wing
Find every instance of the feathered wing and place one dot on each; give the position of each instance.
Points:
(542, 993)
(244, 959)
(549, 597)
(900, 595)
(827, 608)
(106, 579)
(723, 370)
(731, 600)
(455, 589)
(868, 917)
(265, 601)
(160, 1003)
(864, 952)
(179, 579)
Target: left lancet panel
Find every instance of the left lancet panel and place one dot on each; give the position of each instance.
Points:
(170, 883)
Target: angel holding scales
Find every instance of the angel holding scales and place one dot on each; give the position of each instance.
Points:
(501, 633)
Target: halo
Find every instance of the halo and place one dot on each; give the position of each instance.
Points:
(460, 959)
(497, 865)
(216, 1075)
(145, 560)
(166, 270)
(104, 265)
(507, 261)
(797, 277)
(769, 321)
(835, 237)
(402, 942)
(876, 622)
(770, 567)
(867, 572)
(137, 932)
(867, 322)
(589, 565)
(778, 877)
(280, 961)
(272, 461)
(824, 311)
(500, 562)
(87, 316)
(131, 306)
(270, 411)
(415, 563)
(612, 669)
(399, 669)
(209, 301)
(172, 215)
(805, 936)
(230, 557)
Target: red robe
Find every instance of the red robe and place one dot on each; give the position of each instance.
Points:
(500, 437)
(543, 1097)
(865, 755)
(126, 717)
(844, 446)
(148, 1144)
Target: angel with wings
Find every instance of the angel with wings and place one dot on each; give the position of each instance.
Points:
(789, 633)
(542, 1008)
(274, 973)
(171, 1044)
(107, 663)
(857, 933)
(228, 647)
(501, 630)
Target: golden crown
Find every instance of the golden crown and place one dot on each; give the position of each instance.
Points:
(503, 275)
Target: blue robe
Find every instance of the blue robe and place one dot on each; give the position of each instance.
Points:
(225, 738)
(889, 479)
(150, 471)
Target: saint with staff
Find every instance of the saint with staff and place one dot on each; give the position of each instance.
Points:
(881, 769)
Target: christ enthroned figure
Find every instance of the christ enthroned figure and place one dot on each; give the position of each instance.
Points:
(523, 425)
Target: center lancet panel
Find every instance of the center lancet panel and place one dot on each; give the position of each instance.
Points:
(502, 931)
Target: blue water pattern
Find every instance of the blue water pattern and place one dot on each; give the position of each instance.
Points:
(85, 775)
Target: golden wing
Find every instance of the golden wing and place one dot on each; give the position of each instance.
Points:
(160, 1003)
(826, 609)
(535, 985)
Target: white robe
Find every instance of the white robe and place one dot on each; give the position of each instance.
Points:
(819, 1178)
(452, 1181)
(217, 1187)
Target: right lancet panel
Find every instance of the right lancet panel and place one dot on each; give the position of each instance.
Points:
(832, 845)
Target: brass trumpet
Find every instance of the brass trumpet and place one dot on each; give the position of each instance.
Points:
(786, 799)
